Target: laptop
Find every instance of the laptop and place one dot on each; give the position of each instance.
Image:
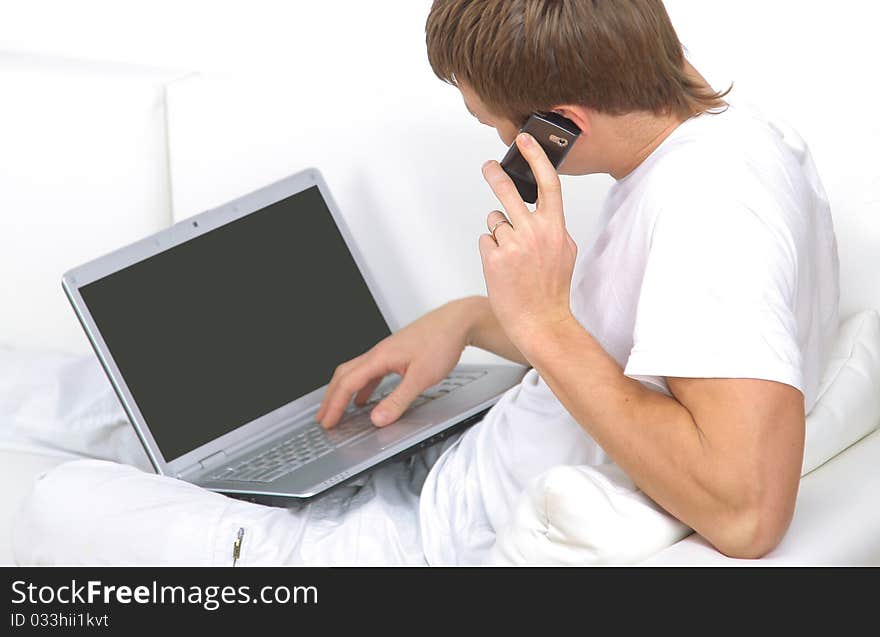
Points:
(221, 333)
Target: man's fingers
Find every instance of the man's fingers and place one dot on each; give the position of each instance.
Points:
(395, 403)
(338, 373)
(350, 381)
(498, 224)
(486, 244)
(549, 186)
(367, 391)
(506, 191)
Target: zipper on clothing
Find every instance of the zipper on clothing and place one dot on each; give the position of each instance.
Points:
(236, 546)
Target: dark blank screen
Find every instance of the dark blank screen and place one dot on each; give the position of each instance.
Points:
(237, 322)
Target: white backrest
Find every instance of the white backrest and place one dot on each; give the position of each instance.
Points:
(83, 170)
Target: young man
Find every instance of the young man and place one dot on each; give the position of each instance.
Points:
(685, 344)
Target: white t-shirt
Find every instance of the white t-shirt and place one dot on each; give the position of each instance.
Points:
(715, 258)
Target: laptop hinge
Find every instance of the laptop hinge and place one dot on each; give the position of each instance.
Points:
(214, 460)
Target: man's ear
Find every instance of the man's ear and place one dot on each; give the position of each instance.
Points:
(579, 115)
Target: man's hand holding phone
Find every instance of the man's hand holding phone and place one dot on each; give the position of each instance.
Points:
(556, 135)
(528, 257)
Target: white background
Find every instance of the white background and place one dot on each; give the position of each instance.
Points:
(259, 89)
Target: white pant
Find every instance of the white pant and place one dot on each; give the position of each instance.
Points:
(100, 512)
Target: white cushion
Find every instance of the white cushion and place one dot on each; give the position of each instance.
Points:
(596, 515)
(585, 515)
(848, 407)
(62, 405)
(17, 472)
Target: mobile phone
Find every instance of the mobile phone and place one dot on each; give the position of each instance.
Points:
(556, 135)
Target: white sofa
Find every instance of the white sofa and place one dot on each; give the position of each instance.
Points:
(134, 149)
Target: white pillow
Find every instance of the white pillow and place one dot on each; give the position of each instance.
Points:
(596, 515)
(848, 407)
(585, 516)
(60, 404)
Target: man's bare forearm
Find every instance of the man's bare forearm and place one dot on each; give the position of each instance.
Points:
(486, 332)
(649, 435)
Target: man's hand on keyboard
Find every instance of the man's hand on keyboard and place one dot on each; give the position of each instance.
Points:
(423, 353)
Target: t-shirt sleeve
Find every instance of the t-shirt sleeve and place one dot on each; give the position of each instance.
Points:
(717, 297)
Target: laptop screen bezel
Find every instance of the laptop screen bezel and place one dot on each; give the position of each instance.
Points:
(178, 234)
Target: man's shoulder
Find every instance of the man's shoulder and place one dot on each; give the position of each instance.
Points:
(739, 161)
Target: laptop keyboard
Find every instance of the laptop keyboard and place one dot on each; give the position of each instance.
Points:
(309, 443)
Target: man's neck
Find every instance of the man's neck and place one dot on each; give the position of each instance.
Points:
(634, 137)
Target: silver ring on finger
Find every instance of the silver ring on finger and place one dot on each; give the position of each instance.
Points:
(495, 227)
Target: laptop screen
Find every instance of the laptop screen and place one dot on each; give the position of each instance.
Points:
(237, 322)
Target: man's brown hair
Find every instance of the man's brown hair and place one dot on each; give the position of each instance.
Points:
(522, 56)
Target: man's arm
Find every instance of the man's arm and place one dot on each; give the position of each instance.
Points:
(724, 456)
(486, 332)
